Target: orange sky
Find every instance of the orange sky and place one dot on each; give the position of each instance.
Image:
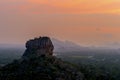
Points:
(87, 22)
(78, 6)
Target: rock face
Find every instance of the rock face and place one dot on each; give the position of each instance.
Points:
(38, 47)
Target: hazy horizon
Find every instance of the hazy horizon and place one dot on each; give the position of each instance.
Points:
(85, 22)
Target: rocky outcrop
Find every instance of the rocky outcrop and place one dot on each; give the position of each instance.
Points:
(41, 46)
(37, 63)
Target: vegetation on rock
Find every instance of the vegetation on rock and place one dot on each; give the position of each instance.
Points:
(37, 63)
(40, 68)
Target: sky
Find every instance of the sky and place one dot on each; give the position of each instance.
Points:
(86, 22)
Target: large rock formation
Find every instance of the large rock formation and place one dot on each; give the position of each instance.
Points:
(43, 66)
(38, 47)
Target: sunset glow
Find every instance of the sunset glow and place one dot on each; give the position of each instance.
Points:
(79, 6)
(87, 22)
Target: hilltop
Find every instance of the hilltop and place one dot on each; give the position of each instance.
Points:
(38, 63)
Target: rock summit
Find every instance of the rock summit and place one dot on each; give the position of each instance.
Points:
(41, 46)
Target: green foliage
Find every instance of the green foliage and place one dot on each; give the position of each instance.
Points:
(97, 65)
(40, 68)
(100, 66)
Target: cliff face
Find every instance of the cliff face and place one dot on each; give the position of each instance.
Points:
(40, 64)
(41, 46)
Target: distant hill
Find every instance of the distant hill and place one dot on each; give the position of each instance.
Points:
(66, 46)
(59, 46)
(63, 46)
(13, 46)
